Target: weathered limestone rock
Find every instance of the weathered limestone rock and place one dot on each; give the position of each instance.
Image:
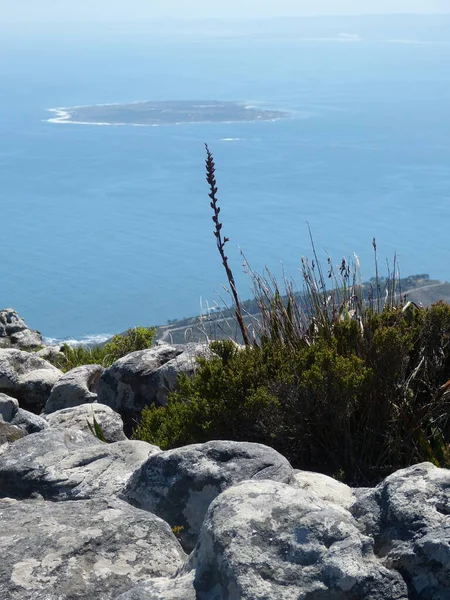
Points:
(326, 488)
(77, 386)
(14, 332)
(89, 549)
(146, 377)
(408, 515)
(179, 485)
(27, 377)
(78, 417)
(68, 465)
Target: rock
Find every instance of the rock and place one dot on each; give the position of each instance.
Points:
(53, 355)
(28, 421)
(93, 549)
(27, 378)
(326, 488)
(67, 465)
(9, 433)
(8, 407)
(264, 539)
(130, 383)
(178, 485)
(78, 417)
(77, 386)
(146, 377)
(15, 333)
(180, 587)
(408, 515)
(13, 414)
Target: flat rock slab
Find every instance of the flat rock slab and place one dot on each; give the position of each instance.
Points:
(179, 485)
(80, 417)
(89, 549)
(69, 465)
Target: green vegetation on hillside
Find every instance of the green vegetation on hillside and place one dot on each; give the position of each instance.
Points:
(137, 338)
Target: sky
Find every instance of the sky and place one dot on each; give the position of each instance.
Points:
(44, 11)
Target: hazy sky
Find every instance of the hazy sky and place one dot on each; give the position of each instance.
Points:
(116, 10)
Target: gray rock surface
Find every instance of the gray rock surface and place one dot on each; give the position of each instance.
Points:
(132, 381)
(89, 549)
(28, 421)
(180, 587)
(408, 515)
(146, 377)
(77, 386)
(13, 414)
(67, 465)
(9, 433)
(263, 539)
(326, 488)
(178, 485)
(26, 377)
(53, 355)
(78, 417)
(8, 407)
(14, 332)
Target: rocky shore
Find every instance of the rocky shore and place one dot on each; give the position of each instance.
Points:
(84, 519)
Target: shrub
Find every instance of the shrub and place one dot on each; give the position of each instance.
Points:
(138, 338)
(361, 403)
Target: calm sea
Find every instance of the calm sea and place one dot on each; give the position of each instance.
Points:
(103, 228)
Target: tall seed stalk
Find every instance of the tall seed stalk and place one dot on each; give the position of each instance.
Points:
(221, 241)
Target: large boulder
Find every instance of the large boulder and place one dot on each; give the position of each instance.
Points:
(77, 386)
(179, 485)
(92, 549)
(82, 417)
(26, 377)
(146, 377)
(408, 515)
(268, 540)
(14, 332)
(69, 465)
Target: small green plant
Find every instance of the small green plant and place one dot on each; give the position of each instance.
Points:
(138, 338)
(96, 429)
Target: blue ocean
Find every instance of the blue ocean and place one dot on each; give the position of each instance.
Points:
(108, 227)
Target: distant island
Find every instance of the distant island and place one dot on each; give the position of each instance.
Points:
(164, 113)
